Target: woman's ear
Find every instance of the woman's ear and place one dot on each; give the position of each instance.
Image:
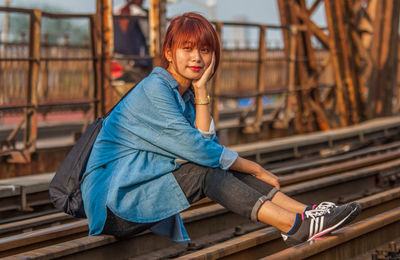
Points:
(168, 54)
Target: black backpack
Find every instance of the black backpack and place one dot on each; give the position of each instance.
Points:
(64, 189)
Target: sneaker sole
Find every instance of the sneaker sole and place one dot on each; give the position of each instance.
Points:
(344, 221)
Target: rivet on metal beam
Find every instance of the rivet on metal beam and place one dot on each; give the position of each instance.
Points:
(239, 231)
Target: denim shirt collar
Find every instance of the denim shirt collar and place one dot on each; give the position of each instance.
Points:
(187, 96)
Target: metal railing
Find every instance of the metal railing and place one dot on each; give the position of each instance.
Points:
(28, 83)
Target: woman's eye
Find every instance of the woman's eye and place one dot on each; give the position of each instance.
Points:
(205, 50)
(187, 48)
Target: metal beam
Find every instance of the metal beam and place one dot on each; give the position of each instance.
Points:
(384, 56)
(157, 23)
(32, 81)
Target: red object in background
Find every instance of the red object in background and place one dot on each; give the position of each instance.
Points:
(116, 70)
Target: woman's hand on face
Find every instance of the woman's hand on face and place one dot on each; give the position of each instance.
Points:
(202, 81)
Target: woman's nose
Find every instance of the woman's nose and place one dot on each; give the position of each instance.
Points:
(196, 55)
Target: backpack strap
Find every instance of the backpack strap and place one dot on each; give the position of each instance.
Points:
(83, 178)
(109, 111)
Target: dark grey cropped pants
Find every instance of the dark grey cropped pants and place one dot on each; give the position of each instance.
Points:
(238, 192)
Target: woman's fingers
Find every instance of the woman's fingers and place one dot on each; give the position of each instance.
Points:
(270, 179)
(212, 65)
(201, 82)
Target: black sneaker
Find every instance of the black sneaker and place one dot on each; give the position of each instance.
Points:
(319, 222)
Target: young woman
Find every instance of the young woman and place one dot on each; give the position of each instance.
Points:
(135, 182)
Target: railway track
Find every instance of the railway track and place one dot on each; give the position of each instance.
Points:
(374, 168)
(204, 222)
(21, 199)
(386, 153)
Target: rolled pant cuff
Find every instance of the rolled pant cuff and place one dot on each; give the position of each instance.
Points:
(261, 201)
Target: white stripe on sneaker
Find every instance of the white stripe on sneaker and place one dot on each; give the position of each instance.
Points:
(321, 224)
(316, 228)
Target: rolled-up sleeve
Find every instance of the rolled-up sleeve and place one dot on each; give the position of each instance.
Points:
(228, 157)
(211, 131)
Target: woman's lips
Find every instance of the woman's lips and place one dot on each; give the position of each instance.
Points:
(194, 68)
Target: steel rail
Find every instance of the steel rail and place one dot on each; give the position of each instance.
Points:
(352, 151)
(336, 168)
(297, 146)
(34, 223)
(268, 241)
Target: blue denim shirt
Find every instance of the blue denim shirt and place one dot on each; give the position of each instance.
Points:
(134, 154)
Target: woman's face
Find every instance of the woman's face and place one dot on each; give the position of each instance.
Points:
(189, 62)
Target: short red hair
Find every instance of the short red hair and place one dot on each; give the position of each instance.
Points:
(194, 28)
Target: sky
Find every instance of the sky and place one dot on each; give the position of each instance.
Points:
(254, 11)
(259, 11)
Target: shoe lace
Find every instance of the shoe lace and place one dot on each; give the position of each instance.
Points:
(316, 213)
(326, 205)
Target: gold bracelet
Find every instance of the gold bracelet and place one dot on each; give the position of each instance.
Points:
(202, 101)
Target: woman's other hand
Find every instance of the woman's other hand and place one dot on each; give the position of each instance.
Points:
(250, 167)
(268, 177)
